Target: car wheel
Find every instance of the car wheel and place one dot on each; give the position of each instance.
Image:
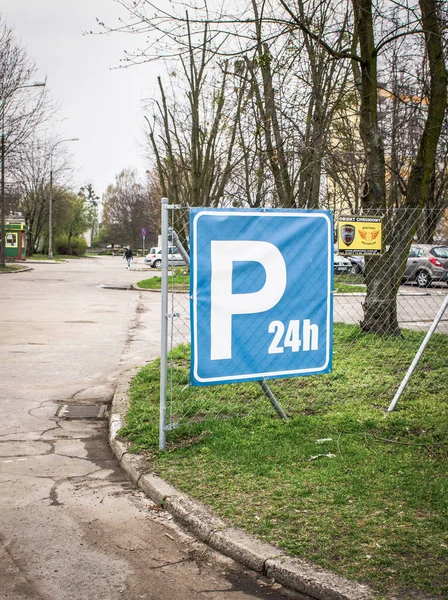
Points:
(355, 270)
(423, 279)
(157, 264)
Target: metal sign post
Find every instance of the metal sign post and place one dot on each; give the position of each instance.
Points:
(144, 237)
(261, 302)
(164, 326)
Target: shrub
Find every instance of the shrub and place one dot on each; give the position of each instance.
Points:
(76, 247)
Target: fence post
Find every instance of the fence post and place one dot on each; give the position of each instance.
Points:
(164, 327)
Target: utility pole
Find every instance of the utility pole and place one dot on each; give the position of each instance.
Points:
(50, 217)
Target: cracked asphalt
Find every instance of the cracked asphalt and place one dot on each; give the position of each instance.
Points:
(72, 527)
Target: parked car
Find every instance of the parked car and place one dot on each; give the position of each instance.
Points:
(153, 254)
(426, 263)
(358, 264)
(341, 265)
(154, 257)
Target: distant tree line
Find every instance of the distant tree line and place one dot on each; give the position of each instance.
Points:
(129, 206)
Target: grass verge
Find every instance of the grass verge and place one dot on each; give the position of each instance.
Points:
(56, 257)
(342, 483)
(180, 281)
(10, 268)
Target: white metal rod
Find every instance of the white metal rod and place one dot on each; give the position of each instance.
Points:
(411, 369)
(180, 247)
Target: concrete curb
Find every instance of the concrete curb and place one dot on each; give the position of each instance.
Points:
(135, 287)
(259, 556)
(22, 270)
(138, 289)
(48, 261)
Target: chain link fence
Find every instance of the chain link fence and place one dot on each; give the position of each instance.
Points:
(378, 361)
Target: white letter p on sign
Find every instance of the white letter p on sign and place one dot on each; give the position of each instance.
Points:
(225, 304)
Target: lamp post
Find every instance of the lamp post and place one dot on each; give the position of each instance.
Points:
(2, 186)
(50, 207)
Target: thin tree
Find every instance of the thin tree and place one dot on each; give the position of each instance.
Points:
(126, 209)
(193, 143)
(21, 110)
(30, 168)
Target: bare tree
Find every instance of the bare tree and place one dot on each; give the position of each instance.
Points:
(251, 183)
(126, 209)
(21, 110)
(373, 30)
(87, 193)
(380, 307)
(29, 171)
(360, 33)
(193, 142)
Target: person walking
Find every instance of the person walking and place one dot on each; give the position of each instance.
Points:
(128, 256)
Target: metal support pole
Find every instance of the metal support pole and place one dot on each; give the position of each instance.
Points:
(3, 208)
(179, 246)
(50, 216)
(272, 399)
(411, 369)
(164, 327)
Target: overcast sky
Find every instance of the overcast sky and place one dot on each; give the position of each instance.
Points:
(99, 104)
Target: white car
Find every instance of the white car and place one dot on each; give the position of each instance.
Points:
(341, 265)
(154, 257)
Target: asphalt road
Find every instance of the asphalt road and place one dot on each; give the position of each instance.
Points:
(416, 307)
(72, 527)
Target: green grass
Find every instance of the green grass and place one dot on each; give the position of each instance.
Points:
(374, 510)
(345, 288)
(349, 284)
(9, 268)
(56, 257)
(181, 281)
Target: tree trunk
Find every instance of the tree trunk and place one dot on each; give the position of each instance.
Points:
(383, 275)
(267, 107)
(29, 243)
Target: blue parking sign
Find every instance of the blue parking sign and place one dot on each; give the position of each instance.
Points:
(261, 301)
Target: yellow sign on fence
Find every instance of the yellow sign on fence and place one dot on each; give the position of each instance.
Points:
(360, 235)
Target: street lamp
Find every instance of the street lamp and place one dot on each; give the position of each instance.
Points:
(50, 208)
(2, 186)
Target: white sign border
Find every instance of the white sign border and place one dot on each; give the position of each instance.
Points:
(271, 374)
